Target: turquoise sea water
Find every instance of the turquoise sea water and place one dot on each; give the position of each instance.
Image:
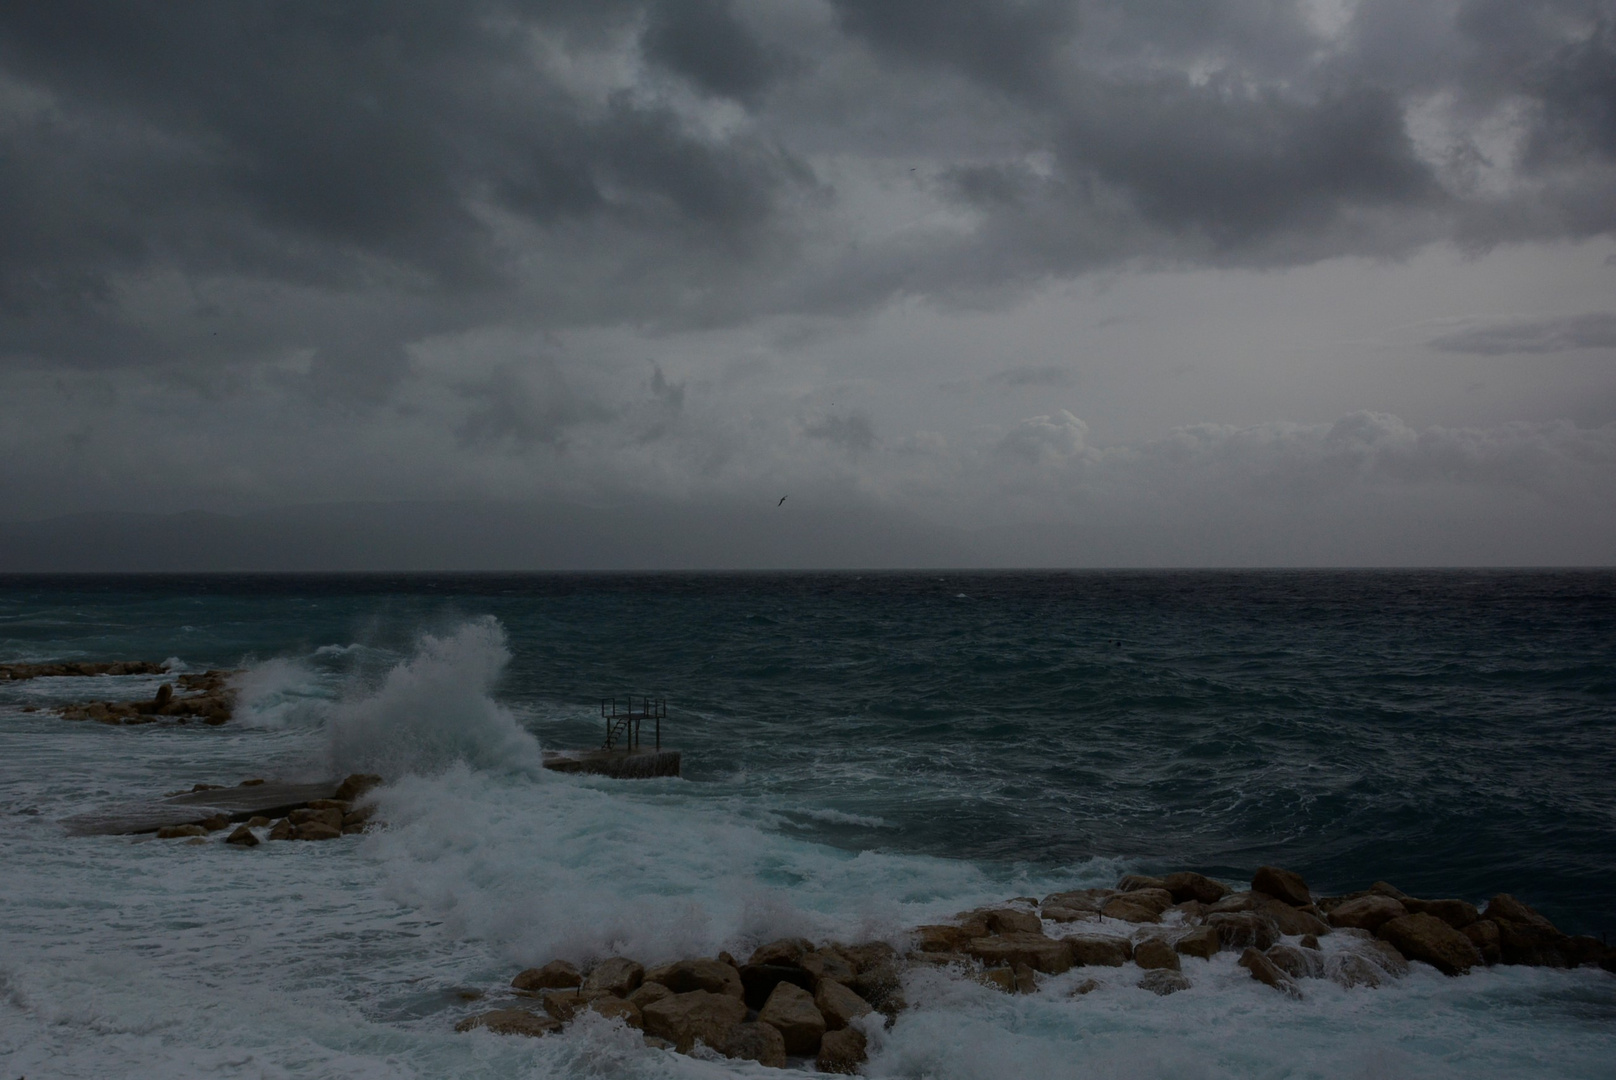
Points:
(861, 752)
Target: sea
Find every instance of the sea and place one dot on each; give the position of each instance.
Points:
(862, 753)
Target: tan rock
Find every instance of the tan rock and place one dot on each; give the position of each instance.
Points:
(1055, 913)
(1505, 908)
(838, 1004)
(1026, 979)
(759, 980)
(1531, 943)
(1128, 911)
(1295, 962)
(757, 1042)
(1079, 899)
(1243, 929)
(1087, 986)
(686, 1017)
(1290, 921)
(842, 1051)
(938, 937)
(685, 976)
(870, 954)
(1188, 885)
(1367, 912)
(281, 831)
(331, 818)
(1099, 951)
(790, 1009)
(1483, 934)
(618, 976)
(1035, 950)
(174, 832)
(316, 830)
(1004, 921)
(1192, 912)
(215, 823)
(1235, 901)
(1384, 956)
(1155, 954)
(1163, 981)
(1456, 913)
(1001, 979)
(511, 1022)
(258, 821)
(786, 951)
(1130, 882)
(564, 1004)
(341, 806)
(881, 984)
(1202, 942)
(1263, 970)
(656, 1042)
(615, 1008)
(647, 993)
(827, 964)
(1428, 938)
(356, 785)
(242, 836)
(1281, 885)
(1349, 969)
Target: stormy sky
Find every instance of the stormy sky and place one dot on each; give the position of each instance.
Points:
(1013, 282)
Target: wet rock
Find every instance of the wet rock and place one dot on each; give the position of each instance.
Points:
(791, 1010)
(617, 976)
(356, 785)
(1235, 901)
(685, 976)
(1456, 913)
(1349, 969)
(258, 821)
(827, 965)
(1291, 921)
(242, 836)
(1428, 938)
(315, 830)
(1163, 981)
(1582, 950)
(788, 951)
(1202, 942)
(1483, 934)
(656, 1042)
(1295, 962)
(174, 832)
(757, 1042)
(1004, 921)
(1099, 951)
(511, 1022)
(331, 818)
(1035, 950)
(281, 831)
(1531, 944)
(1188, 885)
(1367, 912)
(686, 1017)
(615, 1008)
(842, 1051)
(1026, 979)
(1131, 882)
(564, 1004)
(253, 782)
(759, 980)
(164, 695)
(871, 954)
(1243, 929)
(1192, 912)
(1384, 956)
(942, 959)
(942, 937)
(1055, 913)
(1281, 885)
(216, 822)
(647, 993)
(1154, 953)
(1001, 979)
(1127, 911)
(838, 1004)
(1087, 986)
(1263, 970)
(1079, 899)
(1505, 908)
(1309, 941)
(881, 985)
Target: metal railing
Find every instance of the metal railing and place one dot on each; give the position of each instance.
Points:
(623, 728)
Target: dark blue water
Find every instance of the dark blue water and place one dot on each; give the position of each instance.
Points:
(1452, 732)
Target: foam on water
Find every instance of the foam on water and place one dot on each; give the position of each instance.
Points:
(135, 957)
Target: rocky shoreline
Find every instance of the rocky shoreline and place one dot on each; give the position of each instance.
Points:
(205, 696)
(343, 814)
(792, 999)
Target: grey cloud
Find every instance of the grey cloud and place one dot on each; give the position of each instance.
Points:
(1595, 330)
(851, 431)
(1032, 376)
(515, 408)
(703, 41)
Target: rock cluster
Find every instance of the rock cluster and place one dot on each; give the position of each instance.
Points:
(317, 819)
(207, 698)
(9, 672)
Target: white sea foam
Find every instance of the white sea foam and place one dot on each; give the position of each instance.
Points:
(152, 958)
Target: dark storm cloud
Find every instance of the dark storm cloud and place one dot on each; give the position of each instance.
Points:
(194, 182)
(1596, 330)
(852, 431)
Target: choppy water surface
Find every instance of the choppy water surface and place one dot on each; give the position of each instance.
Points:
(861, 752)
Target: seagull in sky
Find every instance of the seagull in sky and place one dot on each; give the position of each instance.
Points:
(781, 503)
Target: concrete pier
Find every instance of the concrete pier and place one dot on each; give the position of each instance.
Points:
(621, 763)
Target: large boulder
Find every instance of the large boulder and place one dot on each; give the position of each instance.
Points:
(511, 1022)
(618, 976)
(1125, 910)
(556, 975)
(647, 993)
(1483, 934)
(1130, 882)
(1099, 951)
(1035, 950)
(1202, 942)
(683, 976)
(1291, 921)
(1264, 971)
(242, 836)
(759, 980)
(839, 1005)
(1003, 921)
(1281, 885)
(828, 965)
(842, 1051)
(1505, 908)
(1367, 912)
(1188, 885)
(791, 1010)
(1243, 929)
(943, 937)
(1295, 962)
(1057, 914)
(1349, 969)
(684, 1018)
(1079, 899)
(1531, 943)
(1456, 913)
(615, 1008)
(785, 951)
(356, 785)
(1155, 953)
(316, 830)
(1428, 938)
(755, 1042)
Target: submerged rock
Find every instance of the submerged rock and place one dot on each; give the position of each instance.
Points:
(511, 1022)
(1162, 981)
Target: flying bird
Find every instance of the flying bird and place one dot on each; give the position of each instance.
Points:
(781, 503)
